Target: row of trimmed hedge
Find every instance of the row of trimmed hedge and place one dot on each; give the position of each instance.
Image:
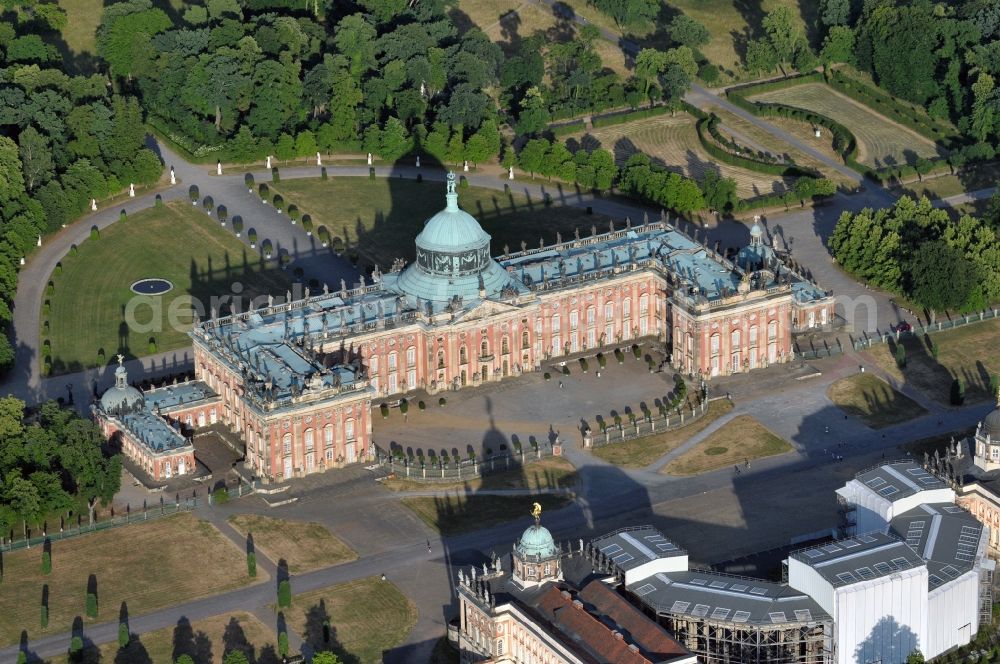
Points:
(568, 128)
(629, 116)
(888, 105)
(726, 157)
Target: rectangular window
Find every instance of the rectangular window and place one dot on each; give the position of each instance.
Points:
(411, 356)
(626, 308)
(609, 311)
(538, 326)
(574, 320)
(555, 323)
(392, 361)
(349, 430)
(329, 455)
(556, 346)
(411, 378)
(715, 344)
(591, 316)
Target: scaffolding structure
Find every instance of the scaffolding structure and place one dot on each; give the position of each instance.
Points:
(728, 642)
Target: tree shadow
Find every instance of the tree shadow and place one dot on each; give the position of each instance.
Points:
(186, 641)
(888, 641)
(235, 639)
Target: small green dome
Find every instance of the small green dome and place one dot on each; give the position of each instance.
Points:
(537, 541)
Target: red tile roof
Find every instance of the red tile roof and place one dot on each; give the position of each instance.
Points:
(586, 630)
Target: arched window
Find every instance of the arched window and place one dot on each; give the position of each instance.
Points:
(591, 315)
(574, 320)
(525, 342)
(734, 340)
(644, 305)
(714, 345)
(555, 323)
(463, 355)
(626, 308)
(484, 348)
(609, 311)
(504, 346)
(753, 336)
(286, 443)
(328, 435)
(772, 330)
(309, 440)
(349, 430)
(411, 356)
(392, 361)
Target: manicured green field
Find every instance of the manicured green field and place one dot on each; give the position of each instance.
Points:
(873, 401)
(93, 308)
(881, 142)
(672, 141)
(379, 219)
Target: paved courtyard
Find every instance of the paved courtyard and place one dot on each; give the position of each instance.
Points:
(526, 407)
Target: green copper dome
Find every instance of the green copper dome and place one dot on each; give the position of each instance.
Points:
(453, 258)
(537, 541)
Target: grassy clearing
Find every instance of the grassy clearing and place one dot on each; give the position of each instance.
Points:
(873, 401)
(82, 19)
(366, 618)
(453, 515)
(970, 353)
(206, 641)
(548, 473)
(177, 242)
(672, 142)
(148, 566)
(881, 142)
(379, 218)
(304, 546)
(641, 452)
(977, 176)
(737, 440)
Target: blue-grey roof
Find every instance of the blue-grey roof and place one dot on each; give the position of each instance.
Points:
(945, 535)
(121, 396)
(152, 431)
(536, 541)
(452, 229)
(855, 559)
(167, 398)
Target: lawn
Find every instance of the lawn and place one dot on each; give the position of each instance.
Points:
(641, 452)
(881, 142)
(740, 439)
(453, 515)
(82, 19)
(207, 641)
(177, 242)
(548, 473)
(972, 178)
(731, 22)
(167, 561)
(672, 142)
(873, 401)
(379, 218)
(366, 618)
(303, 546)
(971, 353)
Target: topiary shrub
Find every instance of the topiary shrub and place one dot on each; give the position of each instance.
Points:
(404, 406)
(275, 176)
(123, 636)
(307, 224)
(322, 173)
(220, 496)
(284, 594)
(279, 202)
(252, 564)
(547, 376)
(252, 236)
(565, 370)
(322, 234)
(583, 364)
(900, 356)
(636, 351)
(152, 345)
(421, 405)
(619, 355)
(73, 250)
(75, 648)
(267, 248)
(442, 401)
(264, 192)
(238, 225)
(283, 644)
(46, 562)
(122, 216)
(248, 181)
(957, 392)
(45, 616)
(91, 605)
(193, 194)
(293, 212)
(208, 204)
(371, 173)
(95, 233)
(384, 409)
(158, 201)
(223, 214)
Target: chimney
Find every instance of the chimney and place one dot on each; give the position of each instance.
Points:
(566, 594)
(618, 635)
(578, 604)
(634, 648)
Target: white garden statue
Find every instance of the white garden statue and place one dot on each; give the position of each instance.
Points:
(418, 161)
(319, 159)
(93, 205)
(269, 162)
(131, 190)
(218, 168)
(465, 166)
(818, 133)
(369, 158)
(510, 173)
(39, 241)
(173, 178)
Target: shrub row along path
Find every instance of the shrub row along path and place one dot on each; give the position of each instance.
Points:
(389, 542)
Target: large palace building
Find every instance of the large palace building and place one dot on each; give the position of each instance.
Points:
(297, 379)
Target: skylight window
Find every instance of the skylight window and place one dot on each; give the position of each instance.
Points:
(846, 577)
(645, 589)
(741, 616)
(888, 491)
(720, 613)
(777, 616)
(803, 614)
(679, 607)
(700, 610)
